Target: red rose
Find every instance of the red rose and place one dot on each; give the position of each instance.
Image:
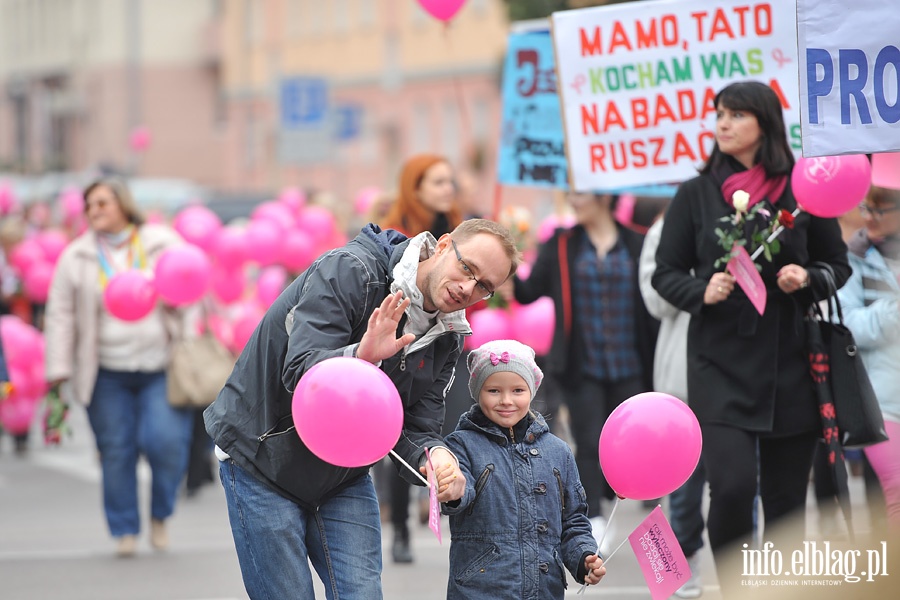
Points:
(785, 219)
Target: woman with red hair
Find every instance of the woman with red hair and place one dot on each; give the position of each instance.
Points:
(427, 198)
(426, 201)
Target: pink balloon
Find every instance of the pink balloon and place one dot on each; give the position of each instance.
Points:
(297, 251)
(279, 214)
(230, 247)
(28, 383)
(140, 138)
(649, 446)
(364, 199)
(221, 329)
(129, 295)
(227, 284)
(264, 242)
(26, 254)
(488, 325)
(198, 225)
(247, 317)
(23, 344)
(36, 283)
(52, 242)
(270, 284)
(443, 10)
(318, 222)
(829, 186)
(533, 324)
(7, 198)
(293, 197)
(17, 413)
(550, 224)
(182, 275)
(347, 412)
(71, 203)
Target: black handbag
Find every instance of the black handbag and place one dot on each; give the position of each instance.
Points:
(859, 419)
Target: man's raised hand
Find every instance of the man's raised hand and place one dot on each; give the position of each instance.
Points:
(380, 340)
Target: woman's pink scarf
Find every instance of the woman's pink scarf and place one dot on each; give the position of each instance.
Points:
(754, 182)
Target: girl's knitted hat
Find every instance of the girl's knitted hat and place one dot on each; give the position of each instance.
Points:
(503, 355)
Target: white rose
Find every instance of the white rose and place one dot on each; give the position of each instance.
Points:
(740, 200)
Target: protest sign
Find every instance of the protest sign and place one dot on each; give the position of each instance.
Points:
(637, 82)
(849, 77)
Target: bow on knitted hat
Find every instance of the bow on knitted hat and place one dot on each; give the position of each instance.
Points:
(502, 355)
(498, 359)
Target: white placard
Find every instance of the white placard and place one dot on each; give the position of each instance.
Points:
(849, 76)
(637, 82)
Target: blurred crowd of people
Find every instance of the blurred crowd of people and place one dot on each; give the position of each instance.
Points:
(639, 303)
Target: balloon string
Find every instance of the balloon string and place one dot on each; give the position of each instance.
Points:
(772, 237)
(406, 464)
(602, 538)
(612, 515)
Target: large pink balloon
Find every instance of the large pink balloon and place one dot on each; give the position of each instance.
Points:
(23, 344)
(36, 282)
(829, 186)
(71, 204)
(182, 275)
(227, 284)
(26, 254)
(129, 295)
(230, 247)
(533, 324)
(488, 325)
(246, 318)
(347, 412)
(52, 242)
(264, 242)
(297, 251)
(198, 225)
(318, 222)
(269, 285)
(649, 446)
(17, 413)
(7, 198)
(293, 197)
(443, 10)
(279, 214)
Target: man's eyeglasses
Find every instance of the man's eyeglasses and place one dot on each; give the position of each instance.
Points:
(876, 213)
(484, 290)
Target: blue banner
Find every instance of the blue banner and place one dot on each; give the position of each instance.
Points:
(532, 143)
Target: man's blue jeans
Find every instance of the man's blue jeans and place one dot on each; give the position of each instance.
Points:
(276, 540)
(686, 512)
(130, 415)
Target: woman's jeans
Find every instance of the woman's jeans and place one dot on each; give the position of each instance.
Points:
(276, 539)
(130, 415)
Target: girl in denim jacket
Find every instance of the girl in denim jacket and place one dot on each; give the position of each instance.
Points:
(522, 521)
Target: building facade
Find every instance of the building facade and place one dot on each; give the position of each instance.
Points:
(250, 95)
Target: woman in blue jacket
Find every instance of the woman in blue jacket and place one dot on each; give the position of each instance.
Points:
(522, 520)
(871, 303)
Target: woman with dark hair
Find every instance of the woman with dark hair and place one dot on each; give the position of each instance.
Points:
(748, 373)
(117, 369)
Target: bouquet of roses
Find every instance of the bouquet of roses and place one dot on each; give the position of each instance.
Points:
(753, 227)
